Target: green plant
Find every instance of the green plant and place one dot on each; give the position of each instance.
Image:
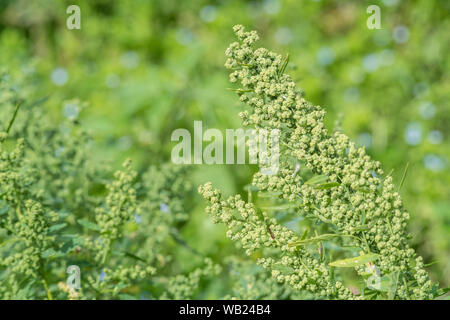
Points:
(140, 233)
(58, 209)
(325, 178)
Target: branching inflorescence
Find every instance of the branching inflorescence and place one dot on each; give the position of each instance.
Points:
(60, 210)
(322, 176)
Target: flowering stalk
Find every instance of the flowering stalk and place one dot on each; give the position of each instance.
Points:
(338, 186)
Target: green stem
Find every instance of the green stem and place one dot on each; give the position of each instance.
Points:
(13, 117)
(365, 241)
(47, 290)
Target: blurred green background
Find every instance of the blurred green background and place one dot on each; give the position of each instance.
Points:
(139, 69)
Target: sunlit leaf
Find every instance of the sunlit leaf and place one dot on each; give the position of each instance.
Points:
(327, 185)
(88, 224)
(57, 227)
(356, 261)
(317, 180)
(323, 237)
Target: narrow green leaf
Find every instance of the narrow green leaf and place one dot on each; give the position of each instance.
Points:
(75, 238)
(323, 237)
(356, 261)
(363, 218)
(284, 65)
(39, 101)
(68, 246)
(442, 291)
(403, 176)
(280, 207)
(128, 254)
(431, 263)
(305, 234)
(317, 180)
(13, 117)
(11, 240)
(26, 293)
(240, 90)
(327, 185)
(335, 247)
(4, 210)
(48, 253)
(248, 65)
(268, 194)
(88, 224)
(284, 269)
(131, 255)
(57, 227)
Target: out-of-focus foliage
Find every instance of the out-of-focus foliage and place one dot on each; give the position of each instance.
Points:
(137, 70)
(60, 210)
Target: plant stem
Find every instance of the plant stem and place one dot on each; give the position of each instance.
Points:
(13, 117)
(47, 290)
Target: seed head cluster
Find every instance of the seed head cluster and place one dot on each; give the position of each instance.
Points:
(354, 198)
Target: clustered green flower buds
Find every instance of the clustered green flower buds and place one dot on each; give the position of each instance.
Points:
(182, 286)
(119, 208)
(252, 282)
(339, 185)
(59, 208)
(256, 231)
